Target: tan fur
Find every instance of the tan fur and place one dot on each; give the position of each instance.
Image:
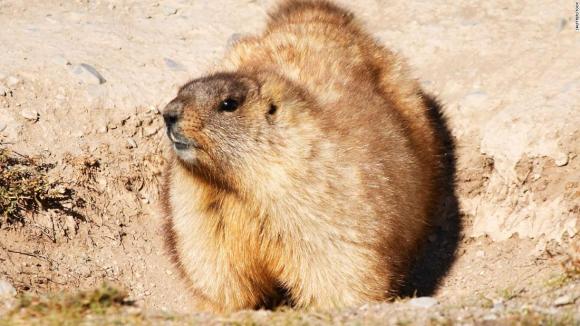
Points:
(327, 198)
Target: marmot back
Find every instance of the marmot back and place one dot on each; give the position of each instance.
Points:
(305, 166)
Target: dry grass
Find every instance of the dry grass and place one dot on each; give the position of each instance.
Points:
(107, 305)
(25, 186)
(104, 305)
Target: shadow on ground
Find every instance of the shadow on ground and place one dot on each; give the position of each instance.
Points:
(438, 255)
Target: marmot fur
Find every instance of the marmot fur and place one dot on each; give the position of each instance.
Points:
(305, 166)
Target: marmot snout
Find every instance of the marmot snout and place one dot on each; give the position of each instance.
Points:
(307, 166)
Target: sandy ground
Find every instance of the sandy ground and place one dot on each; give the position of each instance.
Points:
(82, 83)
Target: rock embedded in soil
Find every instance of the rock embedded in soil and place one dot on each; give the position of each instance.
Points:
(131, 143)
(561, 159)
(168, 10)
(173, 65)
(88, 74)
(31, 115)
(423, 302)
(563, 300)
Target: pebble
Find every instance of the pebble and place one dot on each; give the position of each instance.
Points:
(3, 126)
(168, 10)
(561, 159)
(88, 74)
(154, 109)
(6, 289)
(31, 115)
(173, 65)
(131, 143)
(480, 253)
(60, 60)
(3, 91)
(12, 81)
(423, 302)
(563, 300)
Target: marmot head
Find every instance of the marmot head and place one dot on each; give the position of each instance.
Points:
(228, 126)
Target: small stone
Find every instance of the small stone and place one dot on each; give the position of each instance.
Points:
(423, 302)
(168, 272)
(480, 253)
(12, 81)
(60, 60)
(3, 91)
(102, 129)
(88, 74)
(154, 109)
(168, 10)
(490, 317)
(498, 305)
(173, 65)
(131, 143)
(561, 159)
(31, 115)
(3, 126)
(6, 289)
(563, 300)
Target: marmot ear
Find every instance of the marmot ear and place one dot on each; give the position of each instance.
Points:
(273, 108)
(271, 113)
(277, 89)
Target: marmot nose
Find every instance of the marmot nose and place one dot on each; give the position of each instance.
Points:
(172, 113)
(170, 118)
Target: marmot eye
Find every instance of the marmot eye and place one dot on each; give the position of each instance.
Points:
(228, 105)
(273, 109)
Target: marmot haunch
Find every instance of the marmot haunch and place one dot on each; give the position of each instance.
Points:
(306, 166)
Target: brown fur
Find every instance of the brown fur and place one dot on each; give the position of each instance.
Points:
(319, 186)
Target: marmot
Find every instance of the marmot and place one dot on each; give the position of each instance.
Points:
(305, 166)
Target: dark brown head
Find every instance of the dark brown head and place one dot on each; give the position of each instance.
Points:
(228, 122)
